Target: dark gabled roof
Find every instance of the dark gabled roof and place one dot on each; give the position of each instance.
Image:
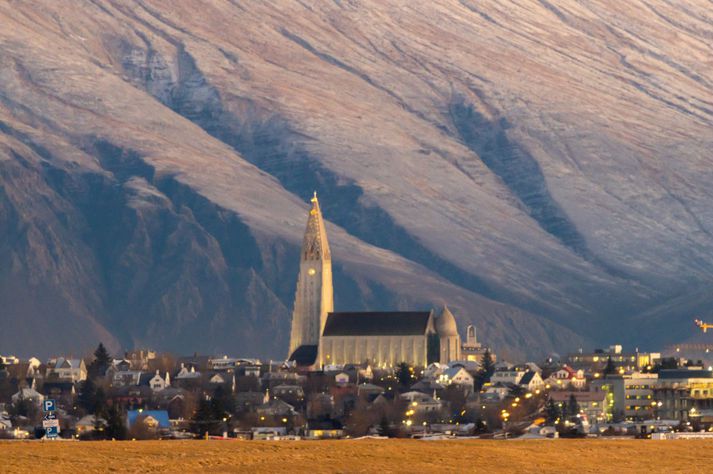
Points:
(527, 378)
(401, 323)
(145, 378)
(304, 355)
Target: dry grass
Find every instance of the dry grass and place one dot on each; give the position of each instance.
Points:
(359, 456)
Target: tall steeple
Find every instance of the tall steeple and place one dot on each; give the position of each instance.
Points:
(314, 297)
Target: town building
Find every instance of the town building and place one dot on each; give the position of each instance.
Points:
(508, 376)
(322, 337)
(66, 369)
(457, 376)
(629, 396)
(531, 381)
(472, 350)
(591, 404)
(623, 362)
(151, 420)
(566, 377)
(683, 394)
(421, 403)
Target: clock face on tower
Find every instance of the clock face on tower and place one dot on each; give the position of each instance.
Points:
(311, 271)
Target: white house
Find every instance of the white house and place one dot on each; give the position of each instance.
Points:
(125, 378)
(5, 423)
(471, 366)
(457, 376)
(567, 377)
(28, 394)
(532, 381)
(67, 369)
(421, 402)
(157, 383)
(9, 359)
(88, 423)
(497, 391)
(341, 378)
(434, 369)
(268, 432)
(187, 374)
(223, 363)
(505, 376)
(223, 378)
(533, 367)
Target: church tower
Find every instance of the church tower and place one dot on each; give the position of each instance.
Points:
(314, 297)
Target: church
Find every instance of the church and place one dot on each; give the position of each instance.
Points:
(320, 336)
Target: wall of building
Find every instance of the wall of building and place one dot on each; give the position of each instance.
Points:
(381, 351)
(450, 349)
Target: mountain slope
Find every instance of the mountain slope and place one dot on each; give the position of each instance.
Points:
(544, 167)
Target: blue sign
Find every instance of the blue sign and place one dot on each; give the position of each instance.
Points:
(52, 431)
(49, 405)
(49, 416)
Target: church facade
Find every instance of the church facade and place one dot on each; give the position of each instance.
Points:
(320, 336)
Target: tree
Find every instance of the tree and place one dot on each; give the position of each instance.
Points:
(102, 361)
(487, 365)
(100, 404)
(404, 374)
(208, 417)
(487, 369)
(24, 407)
(385, 427)
(610, 368)
(87, 397)
(223, 402)
(573, 406)
(552, 412)
(92, 398)
(115, 423)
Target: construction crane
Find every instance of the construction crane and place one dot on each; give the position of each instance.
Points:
(704, 326)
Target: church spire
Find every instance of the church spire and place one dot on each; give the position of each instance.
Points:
(315, 245)
(314, 294)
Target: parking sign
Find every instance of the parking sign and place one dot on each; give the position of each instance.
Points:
(52, 431)
(49, 405)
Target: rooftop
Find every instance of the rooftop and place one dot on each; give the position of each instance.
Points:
(401, 323)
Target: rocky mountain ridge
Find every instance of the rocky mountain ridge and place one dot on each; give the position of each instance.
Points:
(543, 167)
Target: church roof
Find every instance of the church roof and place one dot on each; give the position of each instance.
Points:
(315, 245)
(401, 323)
(304, 355)
(446, 323)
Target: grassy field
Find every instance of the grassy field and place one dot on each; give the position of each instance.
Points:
(358, 456)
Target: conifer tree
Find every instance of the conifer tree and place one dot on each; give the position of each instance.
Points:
(552, 412)
(487, 368)
(610, 368)
(487, 364)
(87, 396)
(573, 406)
(403, 374)
(102, 361)
(115, 424)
